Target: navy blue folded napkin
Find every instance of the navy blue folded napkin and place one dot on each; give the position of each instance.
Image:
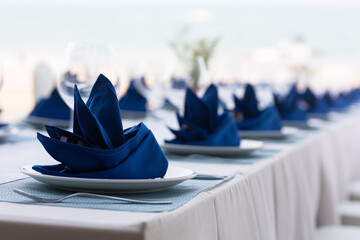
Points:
(314, 104)
(201, 123)
(289, 107)
(52, 107)
(341, 102)
(98, 147)
(3, 125)
(134, 99)
(354, 95)
(248, 116)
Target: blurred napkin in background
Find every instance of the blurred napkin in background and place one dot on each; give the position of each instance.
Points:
(355, 95)
(248, 116)
(289, 107)
(52, 107)
(338, 103)
(98, 147)
(201, 123)
(343, 100)
(1, 123)
(169, 105)
(134, 100)
(314, 105)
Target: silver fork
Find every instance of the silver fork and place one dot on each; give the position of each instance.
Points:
(56, 200)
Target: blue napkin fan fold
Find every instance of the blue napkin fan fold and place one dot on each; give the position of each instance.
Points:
(251, 117)
(133, 100)
(201, 123)
(98, 147)
(354, 95)
(248, 106)
(342, 101)
(52, 107)
(315, 105)
(169, 105)
(289, 108)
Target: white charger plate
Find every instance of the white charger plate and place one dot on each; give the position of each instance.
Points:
(281, 134)
(312, 123)
(299, 124)
(246, 147)
(323, 116)
(173, 176)
(41, 121)
(133, 114)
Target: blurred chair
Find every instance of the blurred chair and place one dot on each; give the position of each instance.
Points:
(44, 81)
(338, 233)
(350, 210)
(354, 191)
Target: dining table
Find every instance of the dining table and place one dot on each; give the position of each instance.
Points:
(285, 190)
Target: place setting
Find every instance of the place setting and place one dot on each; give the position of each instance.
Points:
(133, 103)
(259, 123)
(99, 156)
(51, 110)
(204, 120)
(203, 131)
(291, 111)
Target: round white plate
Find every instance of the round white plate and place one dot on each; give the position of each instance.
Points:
(7, 131)
(312, 123)
(133, 114)
(294, 123)
(173, 176)
(246, 147)
(283, 133)
(323, 116)
(41, 121)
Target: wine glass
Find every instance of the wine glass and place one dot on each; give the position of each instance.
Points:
(84, 63)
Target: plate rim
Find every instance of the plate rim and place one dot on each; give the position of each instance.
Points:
(44, 120)
(261, 145)
(286, 131)
(27, 170)
(262, 132)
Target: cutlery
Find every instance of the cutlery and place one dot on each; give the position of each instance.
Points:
(209, 176)
(56, 200)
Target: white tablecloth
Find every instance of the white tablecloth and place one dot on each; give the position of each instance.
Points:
(283, 197)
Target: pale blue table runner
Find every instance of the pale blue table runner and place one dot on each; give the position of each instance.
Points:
(179, 194)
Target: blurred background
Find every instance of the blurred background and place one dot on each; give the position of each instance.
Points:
(256, 41)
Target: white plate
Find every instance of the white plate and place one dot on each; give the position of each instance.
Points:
(7, 131)
(133, 114)
(323, 116)
(299, 124)
(312, 123)
(246, 147)
(41, 121)
(173, 176)
(283, 133)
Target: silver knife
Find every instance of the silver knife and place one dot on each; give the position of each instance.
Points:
(209, 176)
